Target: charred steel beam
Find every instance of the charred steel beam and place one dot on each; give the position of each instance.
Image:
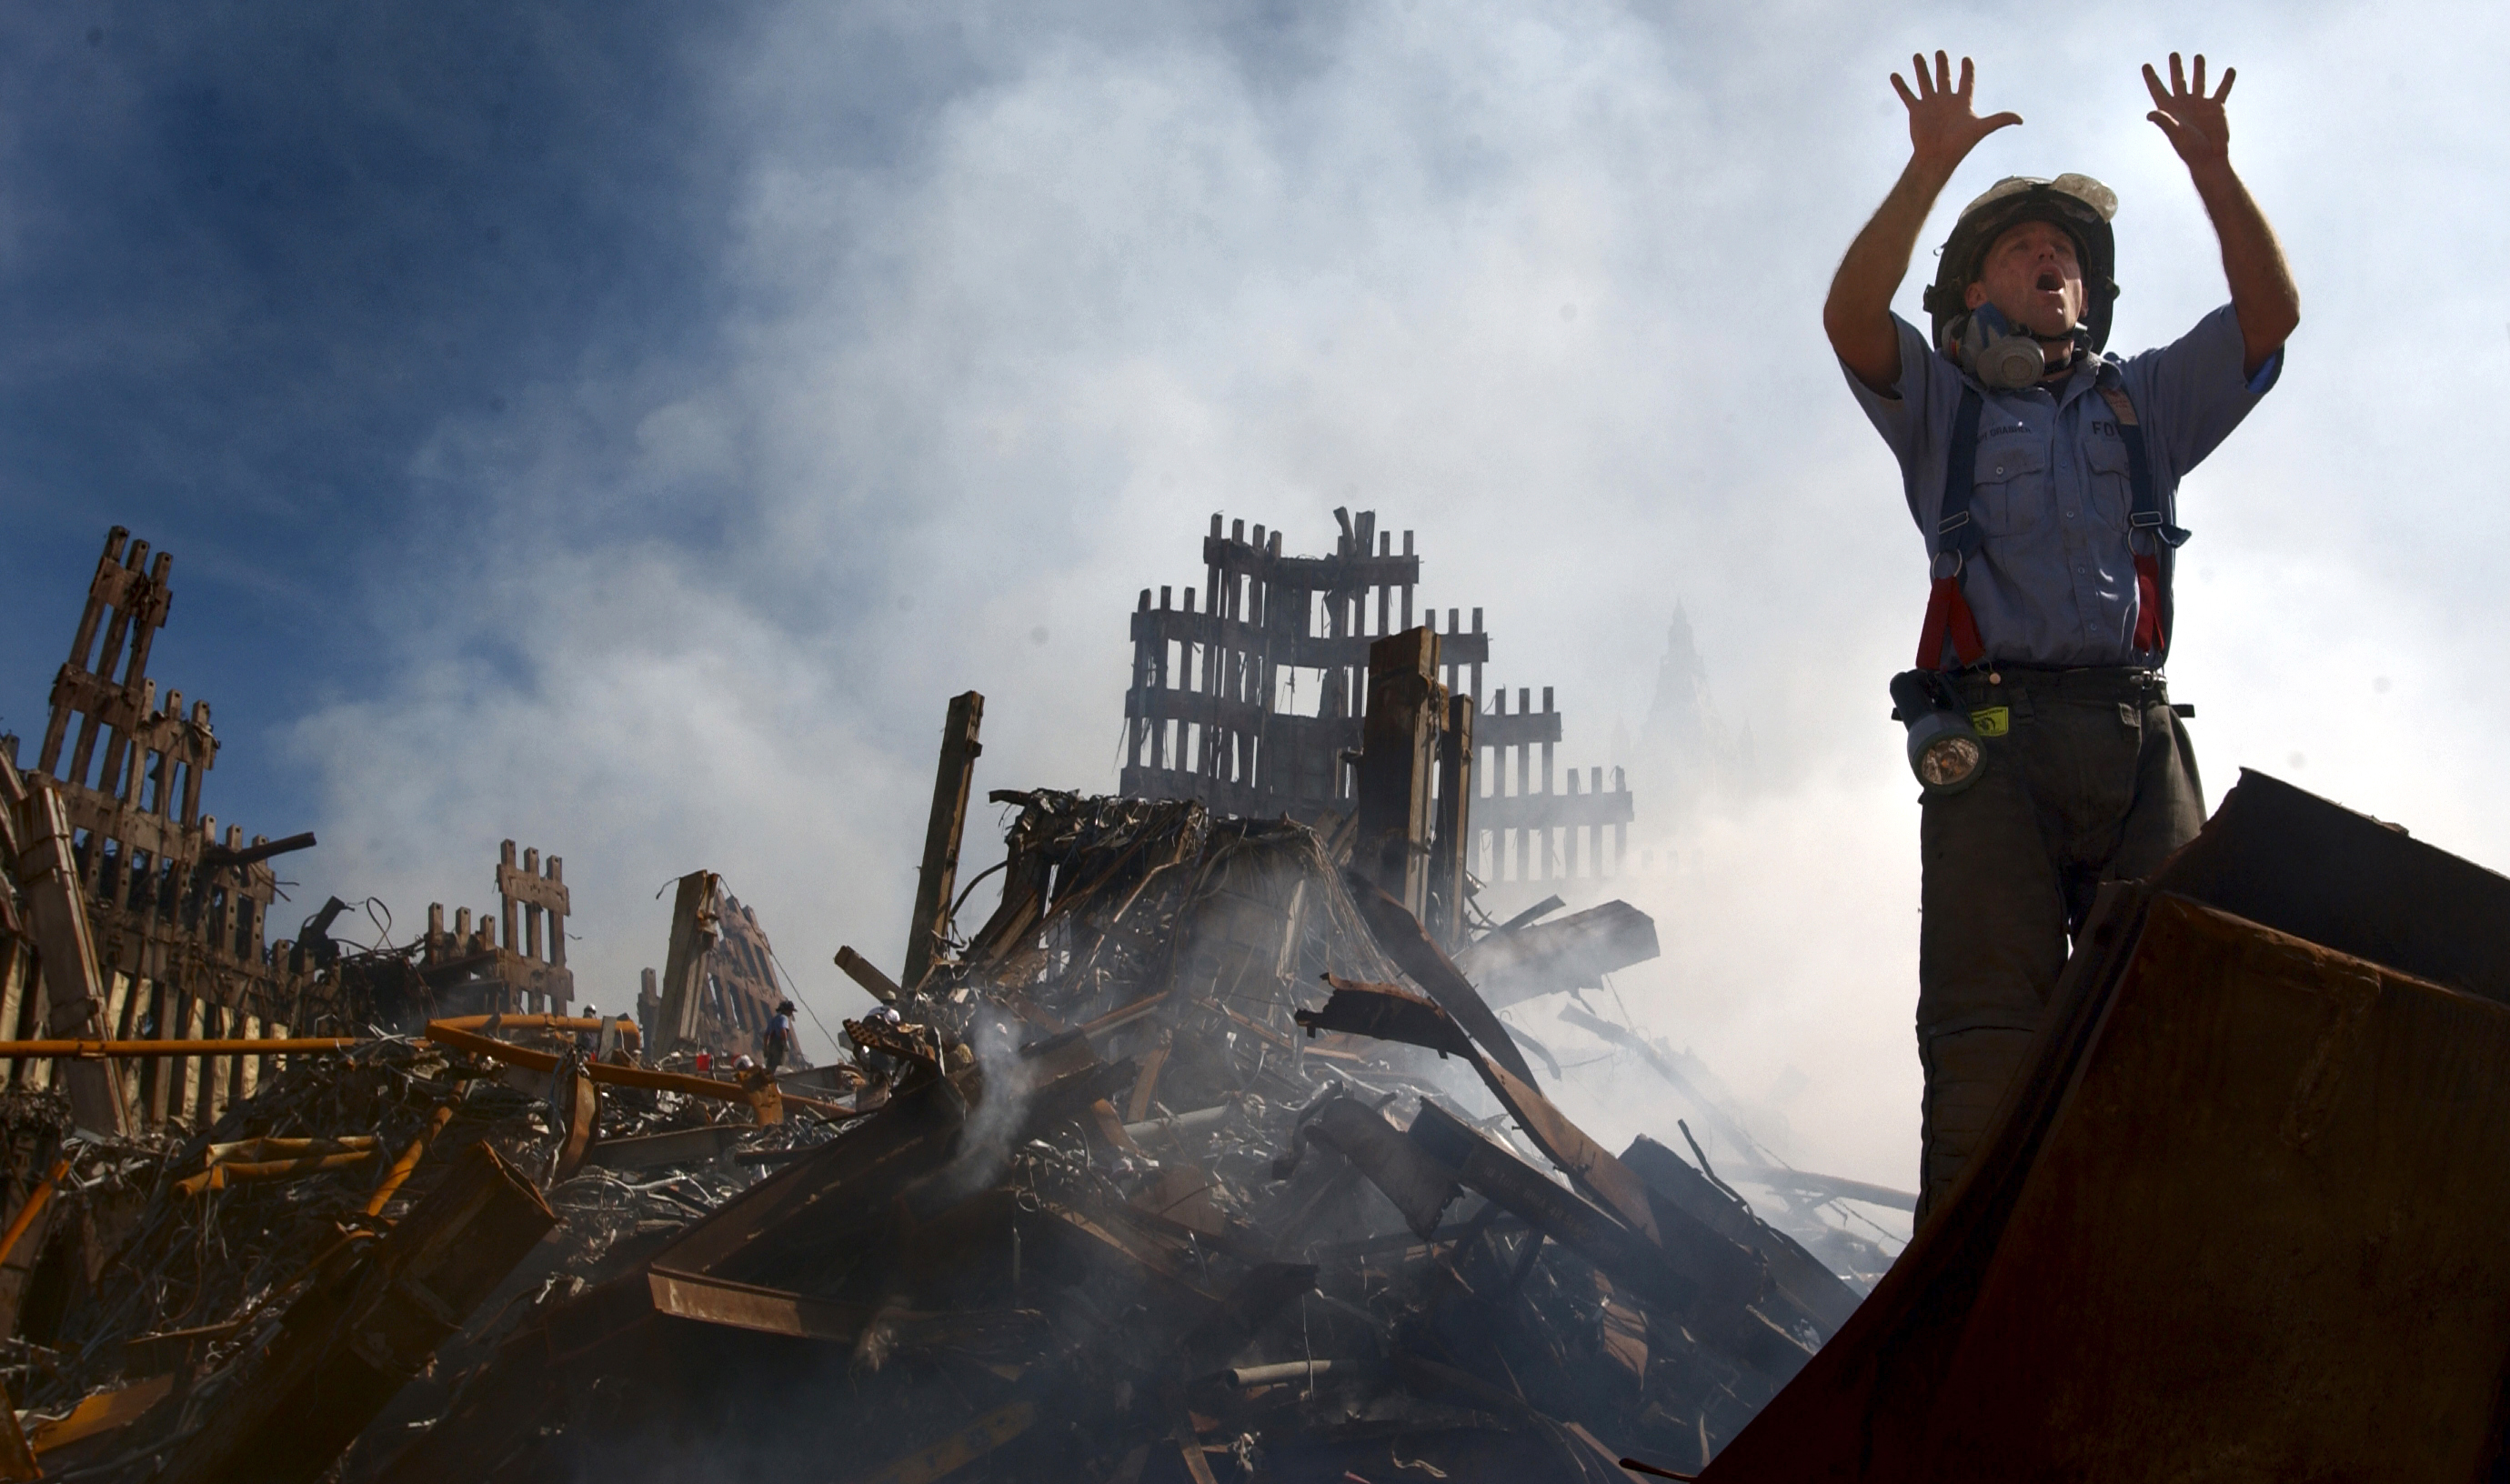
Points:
(1398, 931)
(218, 855)
(1565, 1216)
(1390, 1012)
(1798, 1275)
(1562, 956)
(1384, 1012)
(1397, 760)
(865, 972)
(1450, 840)
(937, 879)
(1419, 1186)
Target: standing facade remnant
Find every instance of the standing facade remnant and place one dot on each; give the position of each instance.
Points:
(693, 930)
(177, 913)
(1251, 699)
(472, 971)
(936, 881)
(719, 985)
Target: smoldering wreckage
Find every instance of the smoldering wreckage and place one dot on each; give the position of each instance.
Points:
(1204, 1155)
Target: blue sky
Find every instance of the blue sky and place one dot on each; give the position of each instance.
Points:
(252, 262)
(622, 427)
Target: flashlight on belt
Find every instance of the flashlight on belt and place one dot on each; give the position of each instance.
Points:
(1944, 749)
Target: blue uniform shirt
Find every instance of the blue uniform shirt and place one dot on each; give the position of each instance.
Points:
(2054, 581)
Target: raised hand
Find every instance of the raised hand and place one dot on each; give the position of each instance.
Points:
(1942, 127)
(2196, 125)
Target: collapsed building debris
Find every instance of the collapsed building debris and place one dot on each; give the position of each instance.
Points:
(1204, 1155)
(241, 1304)
(1149, 1197)
(1065, 1210)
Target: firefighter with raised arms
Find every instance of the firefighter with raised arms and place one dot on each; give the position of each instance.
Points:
(2043, 472)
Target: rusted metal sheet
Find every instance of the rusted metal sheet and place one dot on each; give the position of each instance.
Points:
(781, 1312)
(844, 1183)
(1590, 1165)
(2239, 1220)
(2297, 863)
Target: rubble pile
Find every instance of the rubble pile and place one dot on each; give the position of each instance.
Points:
(1137, 1201)
(1205, 1156)
(1200, 1157)
(174, 1264)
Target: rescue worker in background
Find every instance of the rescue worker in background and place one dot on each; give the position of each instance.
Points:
(2042, 472)
(780, 1034)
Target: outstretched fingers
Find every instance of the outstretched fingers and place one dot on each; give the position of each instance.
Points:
(2153, 85)
(2230, 75)
(1925, 78)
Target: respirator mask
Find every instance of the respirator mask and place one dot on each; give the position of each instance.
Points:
(1945, 750)
(1991, 347)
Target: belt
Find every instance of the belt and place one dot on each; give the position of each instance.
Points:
(2099, 682)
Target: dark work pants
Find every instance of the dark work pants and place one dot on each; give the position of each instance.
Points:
(2095, 780)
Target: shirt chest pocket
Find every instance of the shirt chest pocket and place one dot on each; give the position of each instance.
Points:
(2011, 493)
(2108, 488)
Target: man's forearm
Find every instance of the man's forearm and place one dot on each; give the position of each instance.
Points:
(2262, 293)
(1858, 311)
